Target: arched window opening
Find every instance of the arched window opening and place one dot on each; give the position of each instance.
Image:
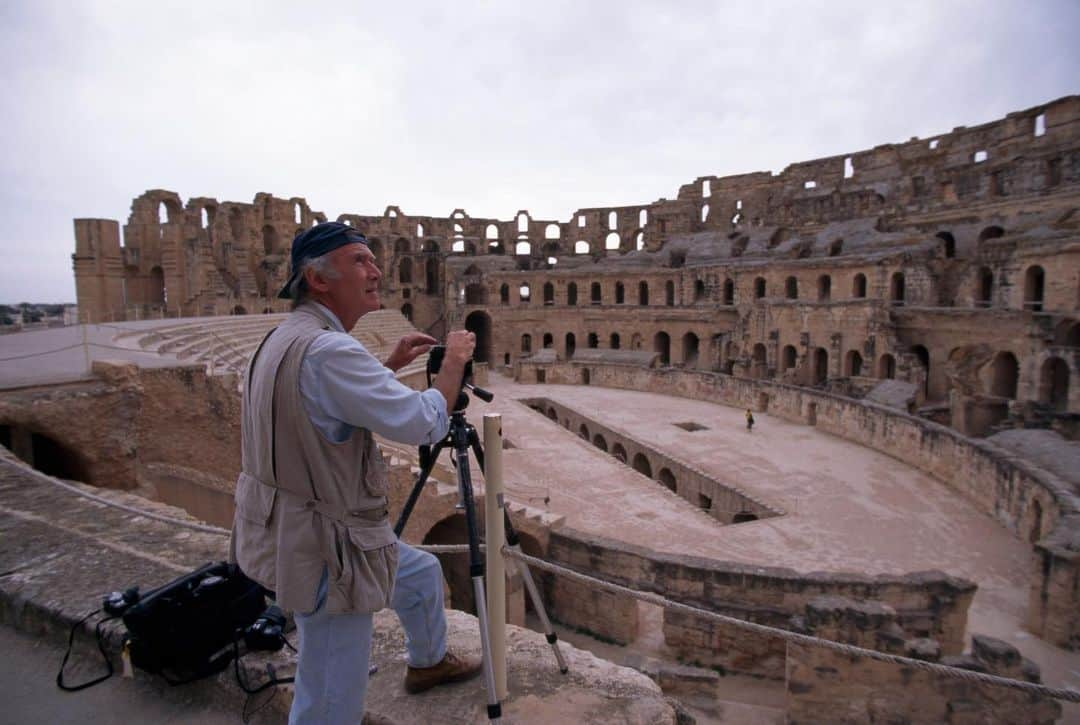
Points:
(704, 213)
(599, 442)
(923, 356)
(618, 453)
(1005, 373)
(706, 188)
(1054, 384)
(643, 293)
(836, 248)
(642, 465)
(612, 243)
(504, 294)
(699, 290)
(821, 365)
(523, 223)
(53, 458)
(458, 246)
(1034, 281)
(552, 231)
(419, 230)
(549, 293)
(620, 293)
(788, 358)
(583, 432)
(496, 248)
(270, 239)
(886, 367)
(612, 220)
(595, 293)
(571, 294)
(298, 213)
(667, 478)
(991, 232)
(858, 287)
(759, 288)
(526, 343)
(643, 218)
(896, 289)
(791, 288)
(949, 244)
(613, 341)
(163, 213)
(853, 364)
(405, 271)
(824, 288)
(690, 346)
(729, 292)
(985, 296)
(581, 247)
(491, 232)
(432, 275)
(157, 287)
(549, 340)
(662, 345)
(593, 341)
(524, 292)
(669, 293)
(522, 248)
(571, 345)
(639, 241)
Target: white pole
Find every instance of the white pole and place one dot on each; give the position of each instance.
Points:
(495, 569)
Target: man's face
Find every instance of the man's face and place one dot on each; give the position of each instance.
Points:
(354, 292)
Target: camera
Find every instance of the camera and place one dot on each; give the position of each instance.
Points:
(267, 632)
(435, 360)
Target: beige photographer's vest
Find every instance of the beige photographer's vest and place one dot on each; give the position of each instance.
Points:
(302, 502)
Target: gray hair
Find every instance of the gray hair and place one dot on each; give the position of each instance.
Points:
(298, 290)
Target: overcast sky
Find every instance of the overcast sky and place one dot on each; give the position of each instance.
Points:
(493, 107)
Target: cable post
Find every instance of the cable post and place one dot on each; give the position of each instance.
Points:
(495, 570)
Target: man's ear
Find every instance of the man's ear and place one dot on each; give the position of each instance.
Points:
(315, 281)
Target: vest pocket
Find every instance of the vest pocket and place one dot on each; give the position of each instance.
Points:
(374, 469)
(252, 539)
(254, 500)
(367, 558)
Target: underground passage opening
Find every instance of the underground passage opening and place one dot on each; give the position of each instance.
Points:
(690, 426)
(45, 453)
(452, 530)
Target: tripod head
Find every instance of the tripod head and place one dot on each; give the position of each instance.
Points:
(434, 364)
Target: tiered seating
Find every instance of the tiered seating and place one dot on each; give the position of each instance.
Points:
(226, 343)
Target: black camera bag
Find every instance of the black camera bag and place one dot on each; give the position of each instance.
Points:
(186, 629)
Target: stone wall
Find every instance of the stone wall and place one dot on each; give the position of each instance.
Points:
(930, 603)
(1028, 501)
(824, 686)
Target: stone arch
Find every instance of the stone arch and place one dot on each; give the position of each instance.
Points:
(853, 364)
(821, 365)
(897, 288)
(270, 239)
(991, 232)
(1034, 282)
(455, 567)
(405, 271)
(614, 341)
(549, 340)
(620, 293)
(948, 244)
(158, 295)
(504, 294)
(583, 432)
(824, 288)
(662, 345)
(599, 442)
(431, 275)
(643, 293)
(592, 341)
(526, 343)
(729, 292)
(886, 368)
(791, 288)
(699, 290)
(641, 465)
(1004, 375)
(1054, 383)
(618, 452)
(549, 293)
(985, 295)
(858, 286)
(595, 293)
(1067, 333)
(669, 293)
(923, 355)
(788, 358)
(759, 288)
(54, 458)
(571, 345)
(667, 478)
(479, 323)
(691, 349)
(571, 294)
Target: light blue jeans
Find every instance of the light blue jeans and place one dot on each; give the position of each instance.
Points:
(332, 669)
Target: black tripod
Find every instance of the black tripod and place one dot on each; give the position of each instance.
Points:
(461, 437)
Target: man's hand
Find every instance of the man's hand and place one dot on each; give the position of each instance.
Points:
(459, 350)
(408, 349)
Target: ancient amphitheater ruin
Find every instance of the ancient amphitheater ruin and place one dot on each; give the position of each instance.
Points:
(904, 323)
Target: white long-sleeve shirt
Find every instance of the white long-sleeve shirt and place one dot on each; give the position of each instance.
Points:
(344, 387)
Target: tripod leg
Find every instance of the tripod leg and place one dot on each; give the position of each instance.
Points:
(514, 543)
(476, 572)
(427, 462)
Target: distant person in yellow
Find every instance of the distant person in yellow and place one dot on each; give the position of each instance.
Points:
(749, 420)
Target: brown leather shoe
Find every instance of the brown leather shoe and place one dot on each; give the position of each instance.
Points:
(451, 669)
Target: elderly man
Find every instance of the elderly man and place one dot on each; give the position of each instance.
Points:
(311, 508)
